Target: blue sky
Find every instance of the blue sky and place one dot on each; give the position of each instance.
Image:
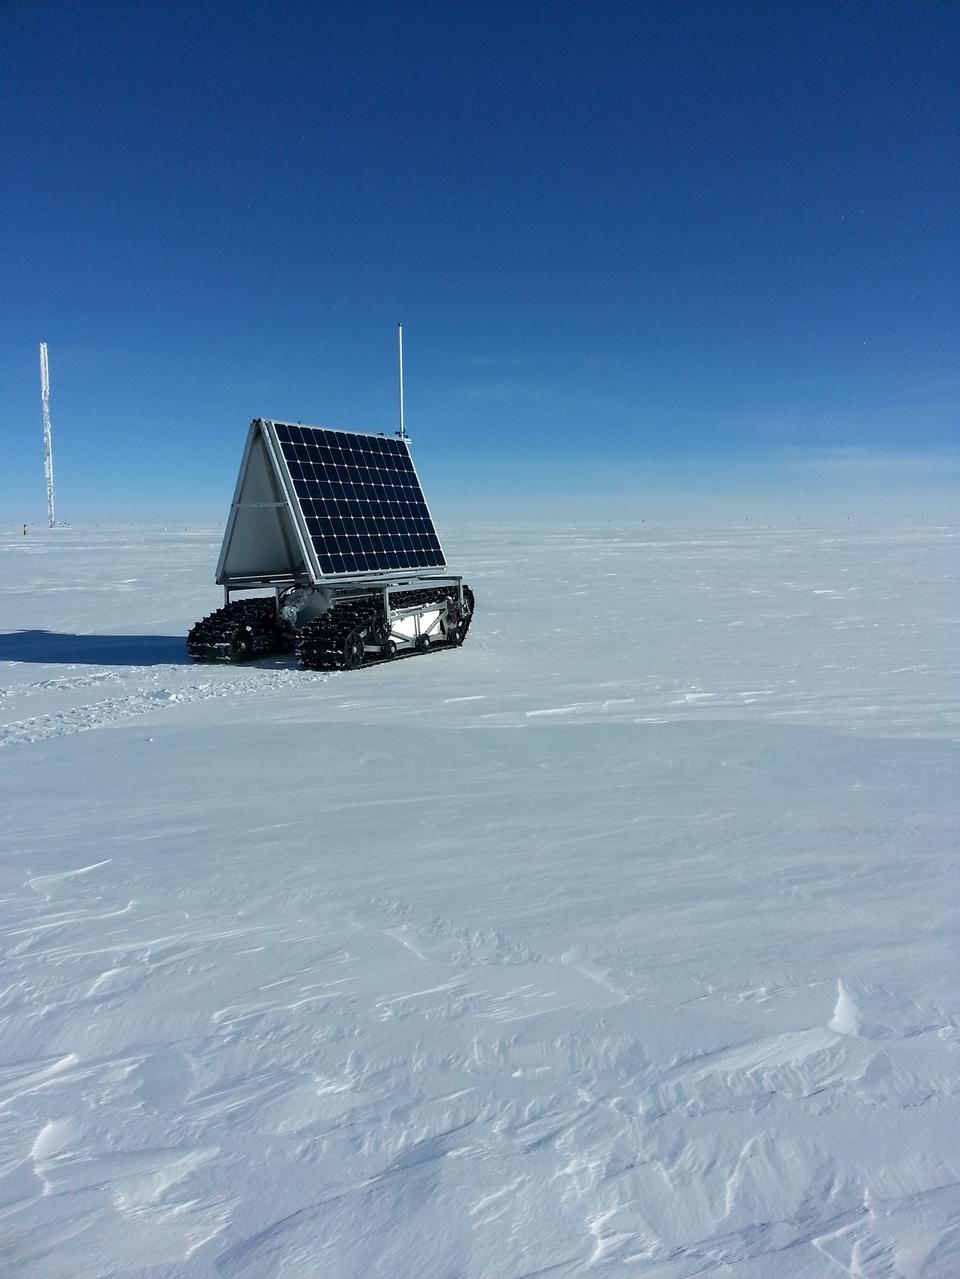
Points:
(651, 259)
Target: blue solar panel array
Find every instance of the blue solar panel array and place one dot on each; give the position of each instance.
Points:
(361, 500)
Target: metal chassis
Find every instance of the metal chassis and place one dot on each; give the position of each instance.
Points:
(352, 586)
(416, 612)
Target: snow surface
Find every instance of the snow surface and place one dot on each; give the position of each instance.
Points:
(622, 940)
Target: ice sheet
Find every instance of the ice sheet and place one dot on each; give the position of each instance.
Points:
(622, 939)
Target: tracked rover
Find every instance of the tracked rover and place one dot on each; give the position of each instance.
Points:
(336, 525)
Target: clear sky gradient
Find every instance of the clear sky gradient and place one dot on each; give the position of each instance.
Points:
(651, 259)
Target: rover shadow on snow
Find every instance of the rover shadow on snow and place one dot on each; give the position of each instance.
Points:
(49, 647)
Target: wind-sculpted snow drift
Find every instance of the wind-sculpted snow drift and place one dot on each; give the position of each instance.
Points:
(626, 944)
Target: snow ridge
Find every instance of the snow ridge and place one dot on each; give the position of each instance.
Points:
(164, 689)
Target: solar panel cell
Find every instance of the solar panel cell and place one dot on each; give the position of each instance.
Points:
(361, 500)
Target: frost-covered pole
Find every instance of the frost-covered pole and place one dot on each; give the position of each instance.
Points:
(401, 432)
(47, 441)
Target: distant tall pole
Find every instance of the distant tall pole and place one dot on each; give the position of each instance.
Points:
(47, 442)
(402, 433)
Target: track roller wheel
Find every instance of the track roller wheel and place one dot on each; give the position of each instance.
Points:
(388, 649)
(353, 649)
(241, 644)
(423, 643)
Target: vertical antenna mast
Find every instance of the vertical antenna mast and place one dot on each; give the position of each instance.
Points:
(402, 433)
(47, 442)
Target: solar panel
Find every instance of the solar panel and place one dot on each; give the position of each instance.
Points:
(360, 499)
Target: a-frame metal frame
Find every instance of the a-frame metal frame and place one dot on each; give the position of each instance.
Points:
(266, 541)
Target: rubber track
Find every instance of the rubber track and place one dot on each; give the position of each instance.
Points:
(321, 643)
(215, 638)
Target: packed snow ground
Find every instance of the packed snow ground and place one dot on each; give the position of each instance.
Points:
(623, 940)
